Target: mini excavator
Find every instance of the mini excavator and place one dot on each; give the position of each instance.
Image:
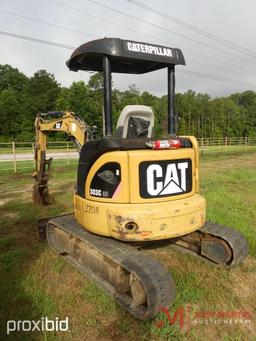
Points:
(132, 190)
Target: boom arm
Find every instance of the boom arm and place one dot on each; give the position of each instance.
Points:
(66, 122)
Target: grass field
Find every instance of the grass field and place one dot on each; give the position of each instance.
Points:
(36, 282)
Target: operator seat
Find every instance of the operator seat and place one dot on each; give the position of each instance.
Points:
(135, 121)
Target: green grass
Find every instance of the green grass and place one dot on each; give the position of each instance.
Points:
(232, 201)
(58, 265)
(93, 294)
(36, 282)
(221, 153)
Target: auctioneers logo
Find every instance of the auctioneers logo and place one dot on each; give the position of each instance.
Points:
(186, 317)
(44, 324)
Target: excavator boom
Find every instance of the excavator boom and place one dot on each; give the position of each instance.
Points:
(66, 122)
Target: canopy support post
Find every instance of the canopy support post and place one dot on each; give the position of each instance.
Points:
(171, 101)
(107, 97)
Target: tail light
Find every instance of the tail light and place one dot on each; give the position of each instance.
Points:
(164, 144)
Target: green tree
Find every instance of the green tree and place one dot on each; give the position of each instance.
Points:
(10, 114)
(96, 82)
(11, 78)
(247, 102)
(225, 117)
(42, 92)
(62, 101)
(21, 98)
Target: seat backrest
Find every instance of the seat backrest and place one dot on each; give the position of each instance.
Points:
(135, 121)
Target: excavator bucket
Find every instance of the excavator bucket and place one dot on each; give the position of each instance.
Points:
(40, 193)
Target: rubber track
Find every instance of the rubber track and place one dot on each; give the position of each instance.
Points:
(157, 281)
(236, 241)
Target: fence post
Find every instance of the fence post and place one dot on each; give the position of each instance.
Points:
(202, 144)
(14, 157)
(226, 144)
(33, 152)
(246, 144)
(68, 162)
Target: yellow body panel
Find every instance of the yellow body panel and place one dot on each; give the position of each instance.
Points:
(120, 157)
(155, 221)
(151, 218)
(135, 158)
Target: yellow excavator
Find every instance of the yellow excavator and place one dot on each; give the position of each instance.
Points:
(66, 122)
(133, 190)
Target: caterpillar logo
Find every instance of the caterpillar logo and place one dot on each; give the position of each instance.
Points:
(57, 125)
(165, 178)
(149, 49)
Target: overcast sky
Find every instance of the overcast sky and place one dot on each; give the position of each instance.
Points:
(232, 20)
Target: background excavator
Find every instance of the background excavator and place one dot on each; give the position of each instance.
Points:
(132, 190)
(45, 123)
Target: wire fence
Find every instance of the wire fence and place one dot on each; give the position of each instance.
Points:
(28, 147)
(226, 143)
(17, 156)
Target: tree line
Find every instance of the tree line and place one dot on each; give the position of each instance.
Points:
(22, 97)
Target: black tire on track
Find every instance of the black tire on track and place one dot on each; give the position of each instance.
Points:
(156, 280)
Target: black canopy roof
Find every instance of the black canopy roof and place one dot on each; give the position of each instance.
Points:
(126, 56)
